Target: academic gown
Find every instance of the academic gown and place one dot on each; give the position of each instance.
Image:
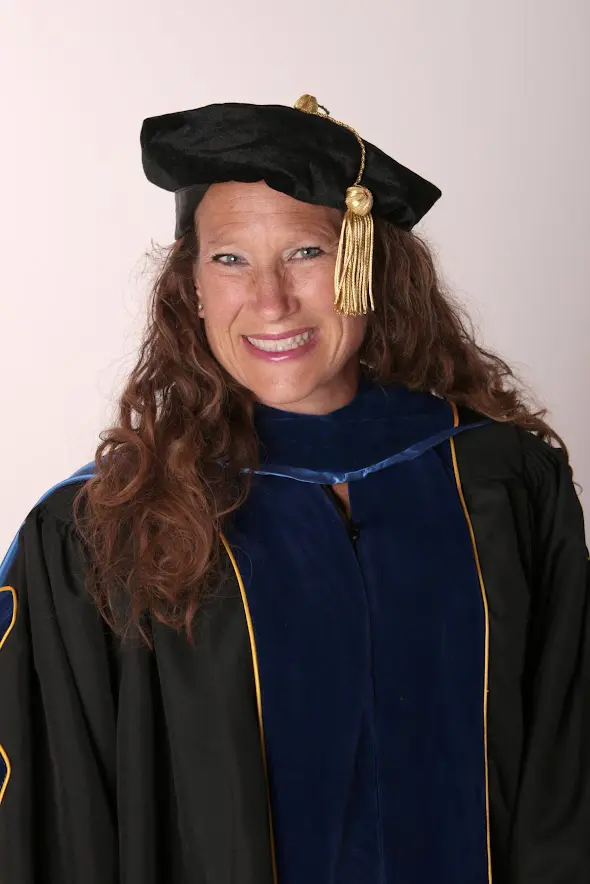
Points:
(129, 765)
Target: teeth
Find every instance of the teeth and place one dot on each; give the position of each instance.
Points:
(282, 345)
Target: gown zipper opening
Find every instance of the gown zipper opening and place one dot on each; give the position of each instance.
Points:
(353, 531)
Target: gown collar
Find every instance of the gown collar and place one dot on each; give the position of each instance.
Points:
(382, 425)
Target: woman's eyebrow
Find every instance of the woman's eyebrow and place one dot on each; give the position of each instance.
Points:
(231, 238)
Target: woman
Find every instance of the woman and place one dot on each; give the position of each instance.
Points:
(341, 569)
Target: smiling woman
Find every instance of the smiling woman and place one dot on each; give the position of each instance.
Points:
(339, 559)
(269, 311)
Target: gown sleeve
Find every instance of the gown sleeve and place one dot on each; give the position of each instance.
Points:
(551, 833)
(57, 713)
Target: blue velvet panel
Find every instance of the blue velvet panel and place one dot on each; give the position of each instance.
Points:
(6, 611)
(6, 615)
(372, 675)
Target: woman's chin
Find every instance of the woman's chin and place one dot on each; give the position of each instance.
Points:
(317, 395)
(288, 397)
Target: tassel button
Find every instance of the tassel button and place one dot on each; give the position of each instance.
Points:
(359, 200)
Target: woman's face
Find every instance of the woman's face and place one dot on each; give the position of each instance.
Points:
(265, 279)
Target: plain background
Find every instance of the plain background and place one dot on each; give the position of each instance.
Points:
(489, 100)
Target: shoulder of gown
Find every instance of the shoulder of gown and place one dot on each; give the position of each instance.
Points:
(504, 451)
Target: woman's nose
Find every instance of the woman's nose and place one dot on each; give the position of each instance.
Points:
(272, 296)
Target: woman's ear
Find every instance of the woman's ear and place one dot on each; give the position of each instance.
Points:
(196, 285)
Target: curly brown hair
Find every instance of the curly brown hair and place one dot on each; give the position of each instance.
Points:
(172, 468)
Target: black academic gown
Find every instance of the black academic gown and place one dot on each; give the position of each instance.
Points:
(136, 767)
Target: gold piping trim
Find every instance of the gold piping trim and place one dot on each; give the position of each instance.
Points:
(8, 772)
(258, 695)
(4, 785)
(13, 621)
(487, 634)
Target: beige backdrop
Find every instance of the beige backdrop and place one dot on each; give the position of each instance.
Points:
(488, 99)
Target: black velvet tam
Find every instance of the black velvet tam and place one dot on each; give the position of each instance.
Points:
(306, 156)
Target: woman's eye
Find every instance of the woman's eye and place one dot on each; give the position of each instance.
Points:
(227, 259)
(309, 252)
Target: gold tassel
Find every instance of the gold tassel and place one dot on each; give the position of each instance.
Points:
(353, 275)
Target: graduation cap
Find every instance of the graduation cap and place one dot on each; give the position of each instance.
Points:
(301, 151)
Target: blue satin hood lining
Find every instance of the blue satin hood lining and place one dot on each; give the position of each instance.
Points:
(380, 427)
(330, 478)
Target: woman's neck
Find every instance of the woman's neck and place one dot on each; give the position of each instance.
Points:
(341, 491)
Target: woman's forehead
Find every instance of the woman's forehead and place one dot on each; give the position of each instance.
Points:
(234, 203)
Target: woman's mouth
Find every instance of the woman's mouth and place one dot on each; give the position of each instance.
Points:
(281, 347)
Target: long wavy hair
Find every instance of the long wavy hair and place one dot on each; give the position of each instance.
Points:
(171, 469)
